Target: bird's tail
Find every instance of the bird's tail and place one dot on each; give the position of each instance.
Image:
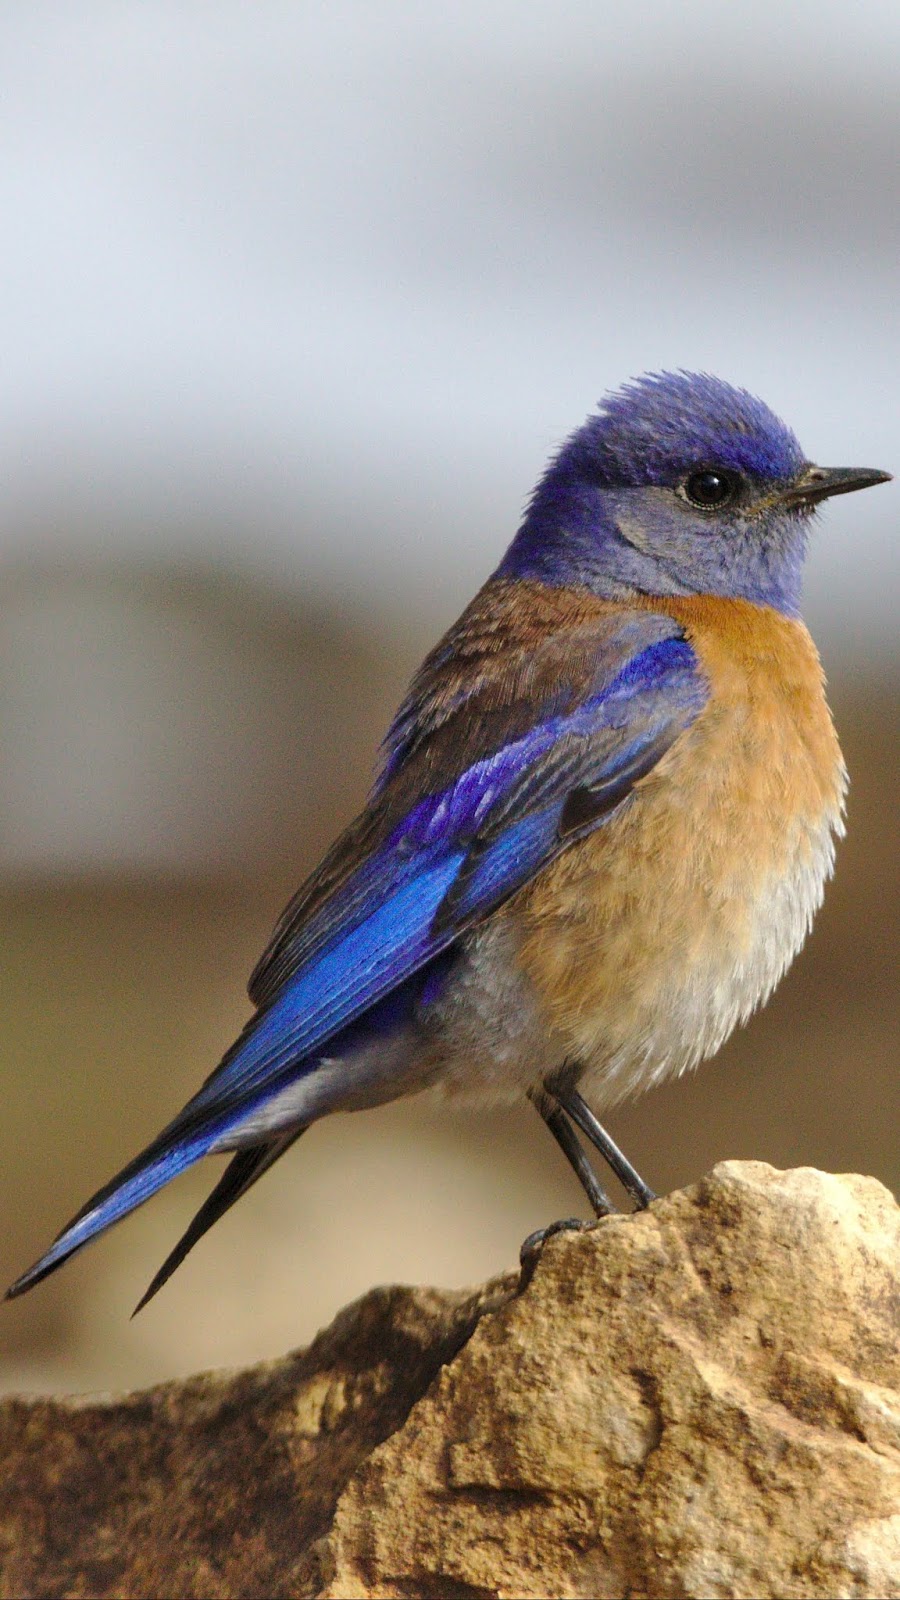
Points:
(170, 1154)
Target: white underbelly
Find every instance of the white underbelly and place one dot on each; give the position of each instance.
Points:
(678, 1001)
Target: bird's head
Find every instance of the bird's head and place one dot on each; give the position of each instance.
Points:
(680, 484)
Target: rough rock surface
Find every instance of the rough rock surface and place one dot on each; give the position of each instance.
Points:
(700, 1400)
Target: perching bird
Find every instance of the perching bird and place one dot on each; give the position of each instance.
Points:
(602, 822)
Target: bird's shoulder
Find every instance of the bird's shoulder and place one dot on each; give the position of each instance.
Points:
(520, 649)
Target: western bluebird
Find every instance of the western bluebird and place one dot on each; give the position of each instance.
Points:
(601, 825)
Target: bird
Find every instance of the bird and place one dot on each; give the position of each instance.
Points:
(600, 825)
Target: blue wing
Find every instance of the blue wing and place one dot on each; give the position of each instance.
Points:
(409, 878)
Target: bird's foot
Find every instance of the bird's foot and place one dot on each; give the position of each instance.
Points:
(530, 1253)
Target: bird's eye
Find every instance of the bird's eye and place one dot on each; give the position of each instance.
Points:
(711, 487)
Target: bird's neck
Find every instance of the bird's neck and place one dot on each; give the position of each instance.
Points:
(571, 538)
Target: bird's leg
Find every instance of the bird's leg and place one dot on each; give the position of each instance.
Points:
(567, 1139)
(578, 1109)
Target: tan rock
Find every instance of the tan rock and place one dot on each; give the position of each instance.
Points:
(700, 1400)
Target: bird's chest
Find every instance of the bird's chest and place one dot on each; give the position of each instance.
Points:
(651, 939)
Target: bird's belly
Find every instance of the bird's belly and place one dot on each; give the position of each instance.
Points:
(647, 983)
(652, 939)
(486, 1038)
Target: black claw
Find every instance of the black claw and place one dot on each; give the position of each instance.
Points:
(530, 1253)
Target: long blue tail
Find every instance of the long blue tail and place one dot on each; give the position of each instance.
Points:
(149, 1171)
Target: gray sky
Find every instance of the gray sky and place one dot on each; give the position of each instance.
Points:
(311, 290)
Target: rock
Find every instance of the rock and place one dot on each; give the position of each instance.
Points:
(703, 1399)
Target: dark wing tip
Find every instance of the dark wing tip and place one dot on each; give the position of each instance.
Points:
(173, 1260)
(36, 1273)
(586, 805)
(243, 1170)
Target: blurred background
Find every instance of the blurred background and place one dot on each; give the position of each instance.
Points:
(296, 301)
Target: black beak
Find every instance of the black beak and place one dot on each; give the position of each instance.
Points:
(819, 483)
